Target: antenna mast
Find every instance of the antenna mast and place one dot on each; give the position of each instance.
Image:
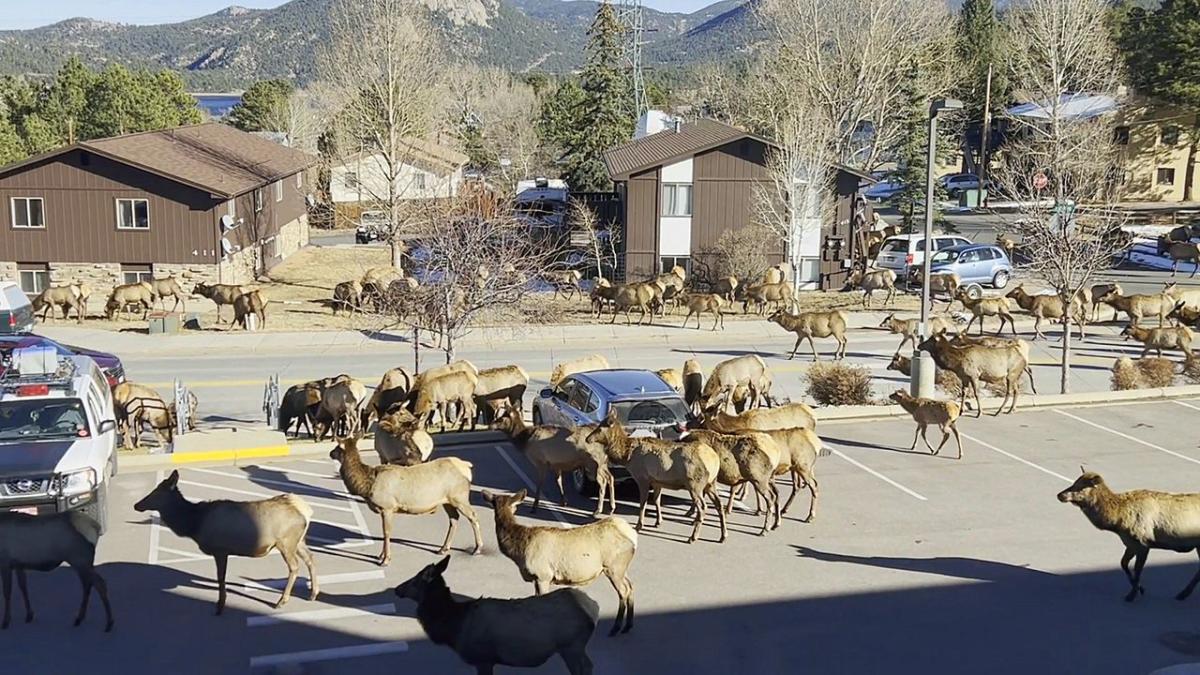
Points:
(630, 13)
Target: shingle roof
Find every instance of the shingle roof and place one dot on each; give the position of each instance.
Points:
(214, 157)
(667, 146)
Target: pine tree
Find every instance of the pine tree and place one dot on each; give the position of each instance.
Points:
(66, 103)
(560, 117)
(12, 148)
(979, 45)
(607, 110)
(256, 111)
(912, 152)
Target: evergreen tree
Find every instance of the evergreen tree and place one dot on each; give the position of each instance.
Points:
(560, 118)
(1162, 49)
(116, 100)
(256, 111)
(607, 110)
(12, 148)
(65, 104)
(470, 134)
(979, 45)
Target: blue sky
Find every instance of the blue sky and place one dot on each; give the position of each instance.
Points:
(32, 13)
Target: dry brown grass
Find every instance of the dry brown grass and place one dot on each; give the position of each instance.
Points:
(1147, 373)
(839, 384)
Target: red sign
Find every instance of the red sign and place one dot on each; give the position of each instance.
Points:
(1040, 181)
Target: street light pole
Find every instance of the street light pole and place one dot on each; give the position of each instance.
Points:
(921, 384)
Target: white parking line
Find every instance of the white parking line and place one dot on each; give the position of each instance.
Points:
(286, 484)
(316, 615)
(1019, 459)
(190, 555)
(878, 475)
(314, 474)
(326, 580)
(1129, 438)
(260, 495)
(155, 528)
(524, 478)
(353, 651)
(1186, 405)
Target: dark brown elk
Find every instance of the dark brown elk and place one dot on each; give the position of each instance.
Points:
(122, 297)
(780, 295)
(565, 282)
(220, 294)
(1180, 250)
(348, 297)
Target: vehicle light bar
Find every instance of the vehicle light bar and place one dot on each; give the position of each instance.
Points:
(33, 390)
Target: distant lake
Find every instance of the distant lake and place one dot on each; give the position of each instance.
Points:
(217, 105)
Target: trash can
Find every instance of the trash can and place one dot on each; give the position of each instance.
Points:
(972, 199)
(163, 323)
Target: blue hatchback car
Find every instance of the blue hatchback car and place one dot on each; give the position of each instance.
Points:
(645, 404)
(983, 264)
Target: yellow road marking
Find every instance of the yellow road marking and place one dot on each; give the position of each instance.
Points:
(234, 454)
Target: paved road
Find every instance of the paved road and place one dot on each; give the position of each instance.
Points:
(913, 564)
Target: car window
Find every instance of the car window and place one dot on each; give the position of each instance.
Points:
(665, 411)
(921, 245)
(970, 257)
(565, 389)
(944, 242)
(987, 254)
(895, 246)
(579, 397)
(944, 256)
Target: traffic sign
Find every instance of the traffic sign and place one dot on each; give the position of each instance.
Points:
(1040, 181)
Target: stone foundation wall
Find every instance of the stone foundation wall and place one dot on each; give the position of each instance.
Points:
(99, 276)
(292, 237)
(188, 274)
(238, 268)
(8, 272)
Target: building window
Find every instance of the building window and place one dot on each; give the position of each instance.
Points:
(1169, 135)
(421, 181)
(300, 181)
(258, 200)
(350, 180)
(1121, 135)
(677, 199)
(1165, 177)
(28, 212)
(668, 262)
(133, 214)
(279, 190)
(35, 277)
(134, 273)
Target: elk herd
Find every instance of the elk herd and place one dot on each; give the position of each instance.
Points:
(125, 299)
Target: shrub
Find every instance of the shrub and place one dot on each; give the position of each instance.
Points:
(1147, 373)
(839, 384)
(948, 382)
(1191, 370)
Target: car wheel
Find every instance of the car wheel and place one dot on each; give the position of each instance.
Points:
(974, 291)
(1000, 280)
(537, 416)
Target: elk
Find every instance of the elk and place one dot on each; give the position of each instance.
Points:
(570, 556)
(640, 296)
(975, 363)
(749, 370)
(944, 282)
(693, 384)
(871, 281)
(399, 439)
(438, 394)
(1184, 315)
(746, 458)
(1138, 306)
(250, 302)
(926, 411)
(393, 389)
(299, 404)
(482, 630)
(416, 490)
(1143, 519)
(348, 297)
(44, 542)
(1046, 307)
(1181, 250)
(565, 282)
(1179, 337)
(726, 287)
(339, 411)
(1007, 243)
(808, 325)
(603, 294)
(699, 303)
(220, 294)
(1098, 293)
(500, 387)
(656, 464)
(909, 328)
(1187, 297)
(64, 297)
(582, 364)
(981, 307)
(222, 528)
(780, 294)
(168, 287)
(129, 294)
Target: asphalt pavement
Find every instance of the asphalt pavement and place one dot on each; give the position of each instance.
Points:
(914, 563)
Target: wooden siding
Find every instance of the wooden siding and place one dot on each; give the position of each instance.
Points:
(261, 226)
(641, 226)
(723, 197)
(80, 213)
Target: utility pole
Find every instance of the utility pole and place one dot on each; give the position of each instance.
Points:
(985, 138)
(630, 13)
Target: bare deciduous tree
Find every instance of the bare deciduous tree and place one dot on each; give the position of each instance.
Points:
(506, 110)
(598, 241)
(384, 64)
(303, 116)
(1062, 58)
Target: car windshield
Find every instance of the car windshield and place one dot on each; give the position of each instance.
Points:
(655, 412)
(39, 418)
(895, 246)
(943, 257)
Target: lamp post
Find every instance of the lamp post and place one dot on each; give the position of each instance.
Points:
(921, 384)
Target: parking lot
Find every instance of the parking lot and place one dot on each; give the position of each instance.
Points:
(939, 565)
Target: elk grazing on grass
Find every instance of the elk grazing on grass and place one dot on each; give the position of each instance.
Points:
(1047, 307)
(222, 528)
(1158, 339)
(656, 464)
(490, 632)
(42, 543)
(974, 363)
(603, 294)
(809, 325)
(640, 296)
(983, 307)
(910, 328)
(122, 297)
(416, 490)
(780, 295)
(699, 303)
(220, 294)
(1138, 305)
(559, 450)
(926, 411)
(63, 297)
(347, 297)
(1143, 519)
(568, 556)
(871, 281)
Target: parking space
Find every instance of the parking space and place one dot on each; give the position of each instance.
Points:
(974, 559)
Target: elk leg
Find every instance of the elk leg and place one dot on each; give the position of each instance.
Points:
(618, 583)
(729, 502)
(1138, 563)
(463, 506)
(916, 435)
(222, 565)
(452, 513)
(385, 556)
(289, 559)
(306, 555)
(813, 491)
(645, 499)
(698, 519)
(924, 430)
(657, 506)
(795, 488)
(711, 491)
(1037, 326)
(537, 492)
(796, 347)
(1125, 558)
(812, 343)
(1187, 590)
(24, 587)
(563, 493)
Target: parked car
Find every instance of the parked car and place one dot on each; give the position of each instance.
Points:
(978, 264)
(884, 190)
(58, 439)
(372, 226)
(16, 312)
(899, 252)
(110, 365)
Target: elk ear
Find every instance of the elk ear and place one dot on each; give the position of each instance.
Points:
(488, 496)
(520, 495)
(173, 479)
(440, 568)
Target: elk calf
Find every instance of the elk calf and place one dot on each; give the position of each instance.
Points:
(926, 411)
(808, 325)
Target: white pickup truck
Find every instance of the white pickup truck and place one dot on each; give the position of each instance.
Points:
(58, 440)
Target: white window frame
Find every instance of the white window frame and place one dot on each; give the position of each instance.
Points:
(1158, 179)
(422, 180)
(279, 190)
(43, 274)
(13, 206)
(258, 199)
(300, 180)
(133, 211)
(139, 276)
(673, 201)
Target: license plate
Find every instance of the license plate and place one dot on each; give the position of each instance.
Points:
(31, 510)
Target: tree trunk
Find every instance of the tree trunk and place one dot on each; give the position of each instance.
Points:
(1065, 370)
(1189, 176)
(449, 347)
(416, 350)
(397, 249)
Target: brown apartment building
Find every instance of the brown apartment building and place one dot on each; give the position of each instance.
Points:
(205, 202)
(680, 189)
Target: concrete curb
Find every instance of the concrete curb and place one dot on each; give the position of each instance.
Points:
(1028, 401)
